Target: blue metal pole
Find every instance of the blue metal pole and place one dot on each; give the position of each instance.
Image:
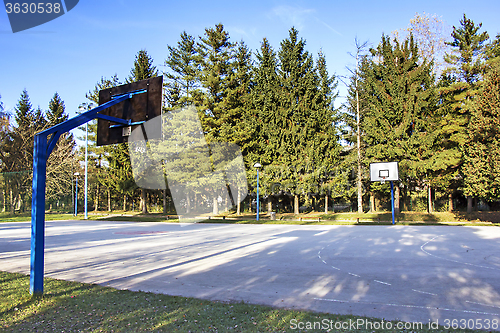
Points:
(257, 194)
(38, 214)
(76, 197)
(392, 201)
(86, 162)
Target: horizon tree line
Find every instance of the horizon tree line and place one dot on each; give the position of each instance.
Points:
(440, 124)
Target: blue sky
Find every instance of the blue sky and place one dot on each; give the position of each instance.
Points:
(101, 38)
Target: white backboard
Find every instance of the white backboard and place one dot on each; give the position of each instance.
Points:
(384, 171)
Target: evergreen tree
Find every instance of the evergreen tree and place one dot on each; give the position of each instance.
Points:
(400, 101)
(99, 173)
(458, 85)
(143, 68)
(120, 157)
(237, 98)
(296, 131)
(324, 144)
(262, 118)
(354, 112)
(482, 156)
(468, 43)
(182, 86)
(261, 122)
(215, 52)
(20, 150)
(61, 161)
(55, 114)
(493, 49)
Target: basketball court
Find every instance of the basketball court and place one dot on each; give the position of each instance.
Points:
(409, 273)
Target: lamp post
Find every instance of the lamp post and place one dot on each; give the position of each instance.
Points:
(76, 193)
(257, 166)
(85, 107)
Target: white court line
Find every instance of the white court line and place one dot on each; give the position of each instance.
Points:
(423, 292)
(491, 306)
(382, 282)
(409, 306)
(356, 275)
(455, 261)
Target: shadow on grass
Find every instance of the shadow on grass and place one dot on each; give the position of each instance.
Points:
(480, 216)
(75, 307)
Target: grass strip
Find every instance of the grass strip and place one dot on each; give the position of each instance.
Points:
(79, 307)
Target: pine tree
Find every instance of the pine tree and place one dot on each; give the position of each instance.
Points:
(61, 160)
(354, 111)
(324, 144)
(262, 118)
(55, 114)
(238, 125)
(493, 49)
(482, 157)
(458, 86)
(261, 122)
(469, 44)
(99, 173)
(297, 128)
(28, 123)
(215, 54)
(182, 86)
(400, 101)
(143, 69)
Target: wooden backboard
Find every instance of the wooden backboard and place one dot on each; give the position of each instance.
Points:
(139, 108)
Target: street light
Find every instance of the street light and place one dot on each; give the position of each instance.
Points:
(86, 107)
(257, 166)
(76, 193)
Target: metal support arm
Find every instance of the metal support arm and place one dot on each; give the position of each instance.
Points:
(41, 151)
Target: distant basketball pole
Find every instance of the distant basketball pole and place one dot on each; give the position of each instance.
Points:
(385, 171)
(43, 146)
(257, 166)
(392, 201)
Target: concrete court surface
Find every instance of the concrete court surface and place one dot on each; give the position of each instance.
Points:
(411, 273)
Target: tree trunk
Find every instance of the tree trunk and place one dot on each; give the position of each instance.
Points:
(12, 203)
(164, 201)
(215, 210)
(296, 205)
(96, 207)
(429, 201)
(4, 206)
(360, 184)
(124, 202)
(144, 205)
(358, 143)
(109, 200)
(450, 202)
(269, 205)
(372, 202)
(326, 203)
(188, 203)
(238, 205)
(396, 199)
(469, 204)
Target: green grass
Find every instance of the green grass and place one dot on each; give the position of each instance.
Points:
(76, 307)
(379, 218)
